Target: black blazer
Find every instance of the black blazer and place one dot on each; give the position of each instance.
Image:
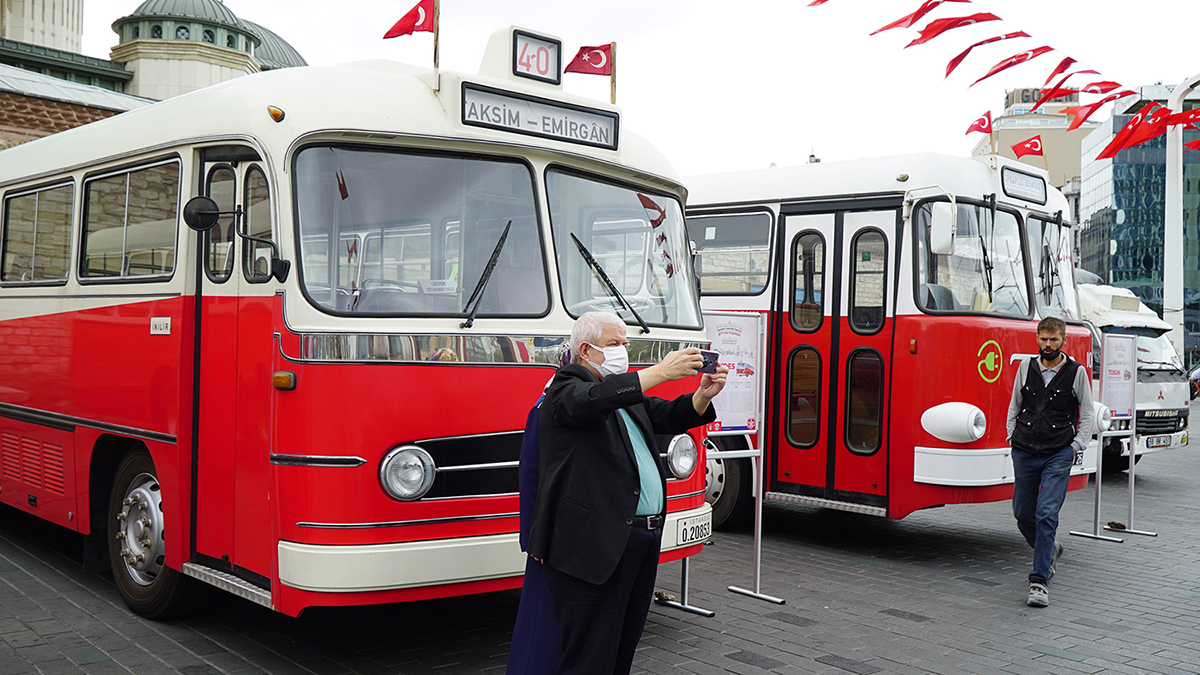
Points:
(588, 479)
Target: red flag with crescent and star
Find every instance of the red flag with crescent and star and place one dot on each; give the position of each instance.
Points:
(1060, 69)
(907, 21)
(984, 124)
(959, 59)
(1124, 138)
(1185, 117)
(938, 26)
(1083, 112)
(418, 20)
(1191, 145)
(592, 61)
(1033, 146)
(1013, 60)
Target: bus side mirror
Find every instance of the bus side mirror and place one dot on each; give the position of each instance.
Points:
(201, 213)
(942, 228)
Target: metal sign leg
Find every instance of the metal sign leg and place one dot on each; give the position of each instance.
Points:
(1095, 533)
(683, 595)
(1130, 529)
(758, 500)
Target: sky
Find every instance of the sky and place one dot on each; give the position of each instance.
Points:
(723, 86)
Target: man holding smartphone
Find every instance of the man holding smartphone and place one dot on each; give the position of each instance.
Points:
(597, 527)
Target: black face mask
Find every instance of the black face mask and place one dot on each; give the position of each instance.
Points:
(1051, 354)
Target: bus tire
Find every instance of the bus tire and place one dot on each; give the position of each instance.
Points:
(136, 549)
(728, 490)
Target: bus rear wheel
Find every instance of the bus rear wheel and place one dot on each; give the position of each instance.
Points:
(136, 548)
(728, 490)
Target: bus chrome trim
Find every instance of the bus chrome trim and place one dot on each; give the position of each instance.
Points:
(962, 467)
(473, 467)
(228, 582)
(316, 460)
(405, 523)
(828, 504)
(685, 495)
(383, 567)
(69, 422)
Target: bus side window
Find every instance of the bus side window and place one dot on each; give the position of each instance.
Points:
(809, 282)
(131, 219)
(804, 408)
(221, 186)
(864, 402)
(37, 235)
(256, 256)
(868, 281)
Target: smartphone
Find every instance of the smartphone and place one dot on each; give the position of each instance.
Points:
(710, 362)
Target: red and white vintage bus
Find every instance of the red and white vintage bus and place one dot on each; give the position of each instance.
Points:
(900, 294)
(320, 400)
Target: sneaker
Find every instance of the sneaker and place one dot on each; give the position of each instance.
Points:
(1058, 551)
(1039, 595)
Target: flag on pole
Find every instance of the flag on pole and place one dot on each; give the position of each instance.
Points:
(419, 19)
(907, 21)
(1011, 61)
(938, 26)
(959, 59)
(592, 61)
(984, 124)
(1032, 146)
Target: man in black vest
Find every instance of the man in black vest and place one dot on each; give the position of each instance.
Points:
(1050, 420)
(601, 499)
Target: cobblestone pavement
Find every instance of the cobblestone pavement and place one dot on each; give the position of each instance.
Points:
(941, 591)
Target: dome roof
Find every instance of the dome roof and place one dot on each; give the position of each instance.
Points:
(202, 10)
(273, 51)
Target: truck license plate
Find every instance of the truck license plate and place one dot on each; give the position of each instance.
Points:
(695, 530)
(1158, 441)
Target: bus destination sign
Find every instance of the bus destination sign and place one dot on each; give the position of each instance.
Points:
(521, 114)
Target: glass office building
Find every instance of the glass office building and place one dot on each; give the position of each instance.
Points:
(1122, 215)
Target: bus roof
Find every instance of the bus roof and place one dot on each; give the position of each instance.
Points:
(365, 101)
(962, 176)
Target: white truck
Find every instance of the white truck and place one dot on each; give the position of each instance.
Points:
(1162, 394)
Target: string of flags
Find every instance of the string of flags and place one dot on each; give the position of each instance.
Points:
(1151, 122)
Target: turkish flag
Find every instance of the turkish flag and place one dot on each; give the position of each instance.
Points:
(1099, 87)
(1127, 133)
(1083, 112)
(814, 3)
(418, 20)
(1191, 145)
(1153, 126)
(1013, 60)
(938, 26)
(1053, 92)
(1062, 68)
(1032, 146)
(592, 61)
(1185, 117)
(906, 21)
(959, 59)
(984, 124)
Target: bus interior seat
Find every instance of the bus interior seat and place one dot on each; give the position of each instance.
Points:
(516, 290)
(397, 301)
(937, 296)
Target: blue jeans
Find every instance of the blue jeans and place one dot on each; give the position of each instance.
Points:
(1039, 489)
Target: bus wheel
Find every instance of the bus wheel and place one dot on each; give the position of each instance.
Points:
(135, 544)
(727, 490)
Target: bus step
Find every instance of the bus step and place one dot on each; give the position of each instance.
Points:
(228, 582)
(880, 511)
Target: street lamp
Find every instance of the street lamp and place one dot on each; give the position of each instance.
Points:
(1173, 225)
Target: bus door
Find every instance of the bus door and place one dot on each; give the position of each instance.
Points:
(835, 307)
(232, 452)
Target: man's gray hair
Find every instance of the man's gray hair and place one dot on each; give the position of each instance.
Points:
(589, 328)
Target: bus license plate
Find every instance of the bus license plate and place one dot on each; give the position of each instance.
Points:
(695, 530)
(1158, 441)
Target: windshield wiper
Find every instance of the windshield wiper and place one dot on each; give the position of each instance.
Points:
(604, 280)
(483, 279)
(987, 261)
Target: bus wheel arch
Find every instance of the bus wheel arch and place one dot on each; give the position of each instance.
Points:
(134, 529)
(728, 483)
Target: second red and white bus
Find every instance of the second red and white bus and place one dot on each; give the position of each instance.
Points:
(899, 294)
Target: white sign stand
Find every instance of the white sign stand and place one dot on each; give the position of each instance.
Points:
(741, 340)
(1120, 382)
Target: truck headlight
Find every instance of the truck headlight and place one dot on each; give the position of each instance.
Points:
(407, 472)
(682, 456)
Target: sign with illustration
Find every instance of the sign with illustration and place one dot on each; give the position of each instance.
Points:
(737, 337)
(1118, 373)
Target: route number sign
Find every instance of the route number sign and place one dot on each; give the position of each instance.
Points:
(537, 57)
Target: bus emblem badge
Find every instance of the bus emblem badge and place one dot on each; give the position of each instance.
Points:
(991, 361)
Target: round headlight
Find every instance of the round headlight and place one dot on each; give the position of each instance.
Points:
(682, 456)
(407, 473)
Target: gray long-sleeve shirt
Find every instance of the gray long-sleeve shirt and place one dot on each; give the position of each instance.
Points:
(1083, 392)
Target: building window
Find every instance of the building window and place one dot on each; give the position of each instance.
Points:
(137, 32)
(182, 33)
(156, 32)
(231, 42)
(207, 36)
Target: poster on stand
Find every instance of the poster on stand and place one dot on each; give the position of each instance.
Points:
(1118, 375)
(737, 337)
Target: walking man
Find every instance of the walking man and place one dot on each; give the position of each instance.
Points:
(1050, 419)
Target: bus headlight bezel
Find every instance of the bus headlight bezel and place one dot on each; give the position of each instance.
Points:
(682, 456)
(402, 458)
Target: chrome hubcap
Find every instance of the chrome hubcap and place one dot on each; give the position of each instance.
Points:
(140, 529)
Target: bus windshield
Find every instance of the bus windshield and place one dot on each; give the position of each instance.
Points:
(638, 238)
(386, 232)
(986, 272)
(1053, 270)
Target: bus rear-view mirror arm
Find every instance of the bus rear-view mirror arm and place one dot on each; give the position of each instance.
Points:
(201, 214)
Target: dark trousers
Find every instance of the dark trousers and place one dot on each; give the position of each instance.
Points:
(1039, 489)
(534, 649)
(600, 624)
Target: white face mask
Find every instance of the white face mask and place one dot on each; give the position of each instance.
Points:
(616, 360)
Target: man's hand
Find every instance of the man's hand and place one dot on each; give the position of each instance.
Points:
(674, 366)
(710, 386)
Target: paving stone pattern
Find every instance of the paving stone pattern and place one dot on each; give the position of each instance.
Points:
(942, 591)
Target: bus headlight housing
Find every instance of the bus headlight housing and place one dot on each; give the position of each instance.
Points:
(407, 472)
(955, 422)
(1103, 417)
(682, 456)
